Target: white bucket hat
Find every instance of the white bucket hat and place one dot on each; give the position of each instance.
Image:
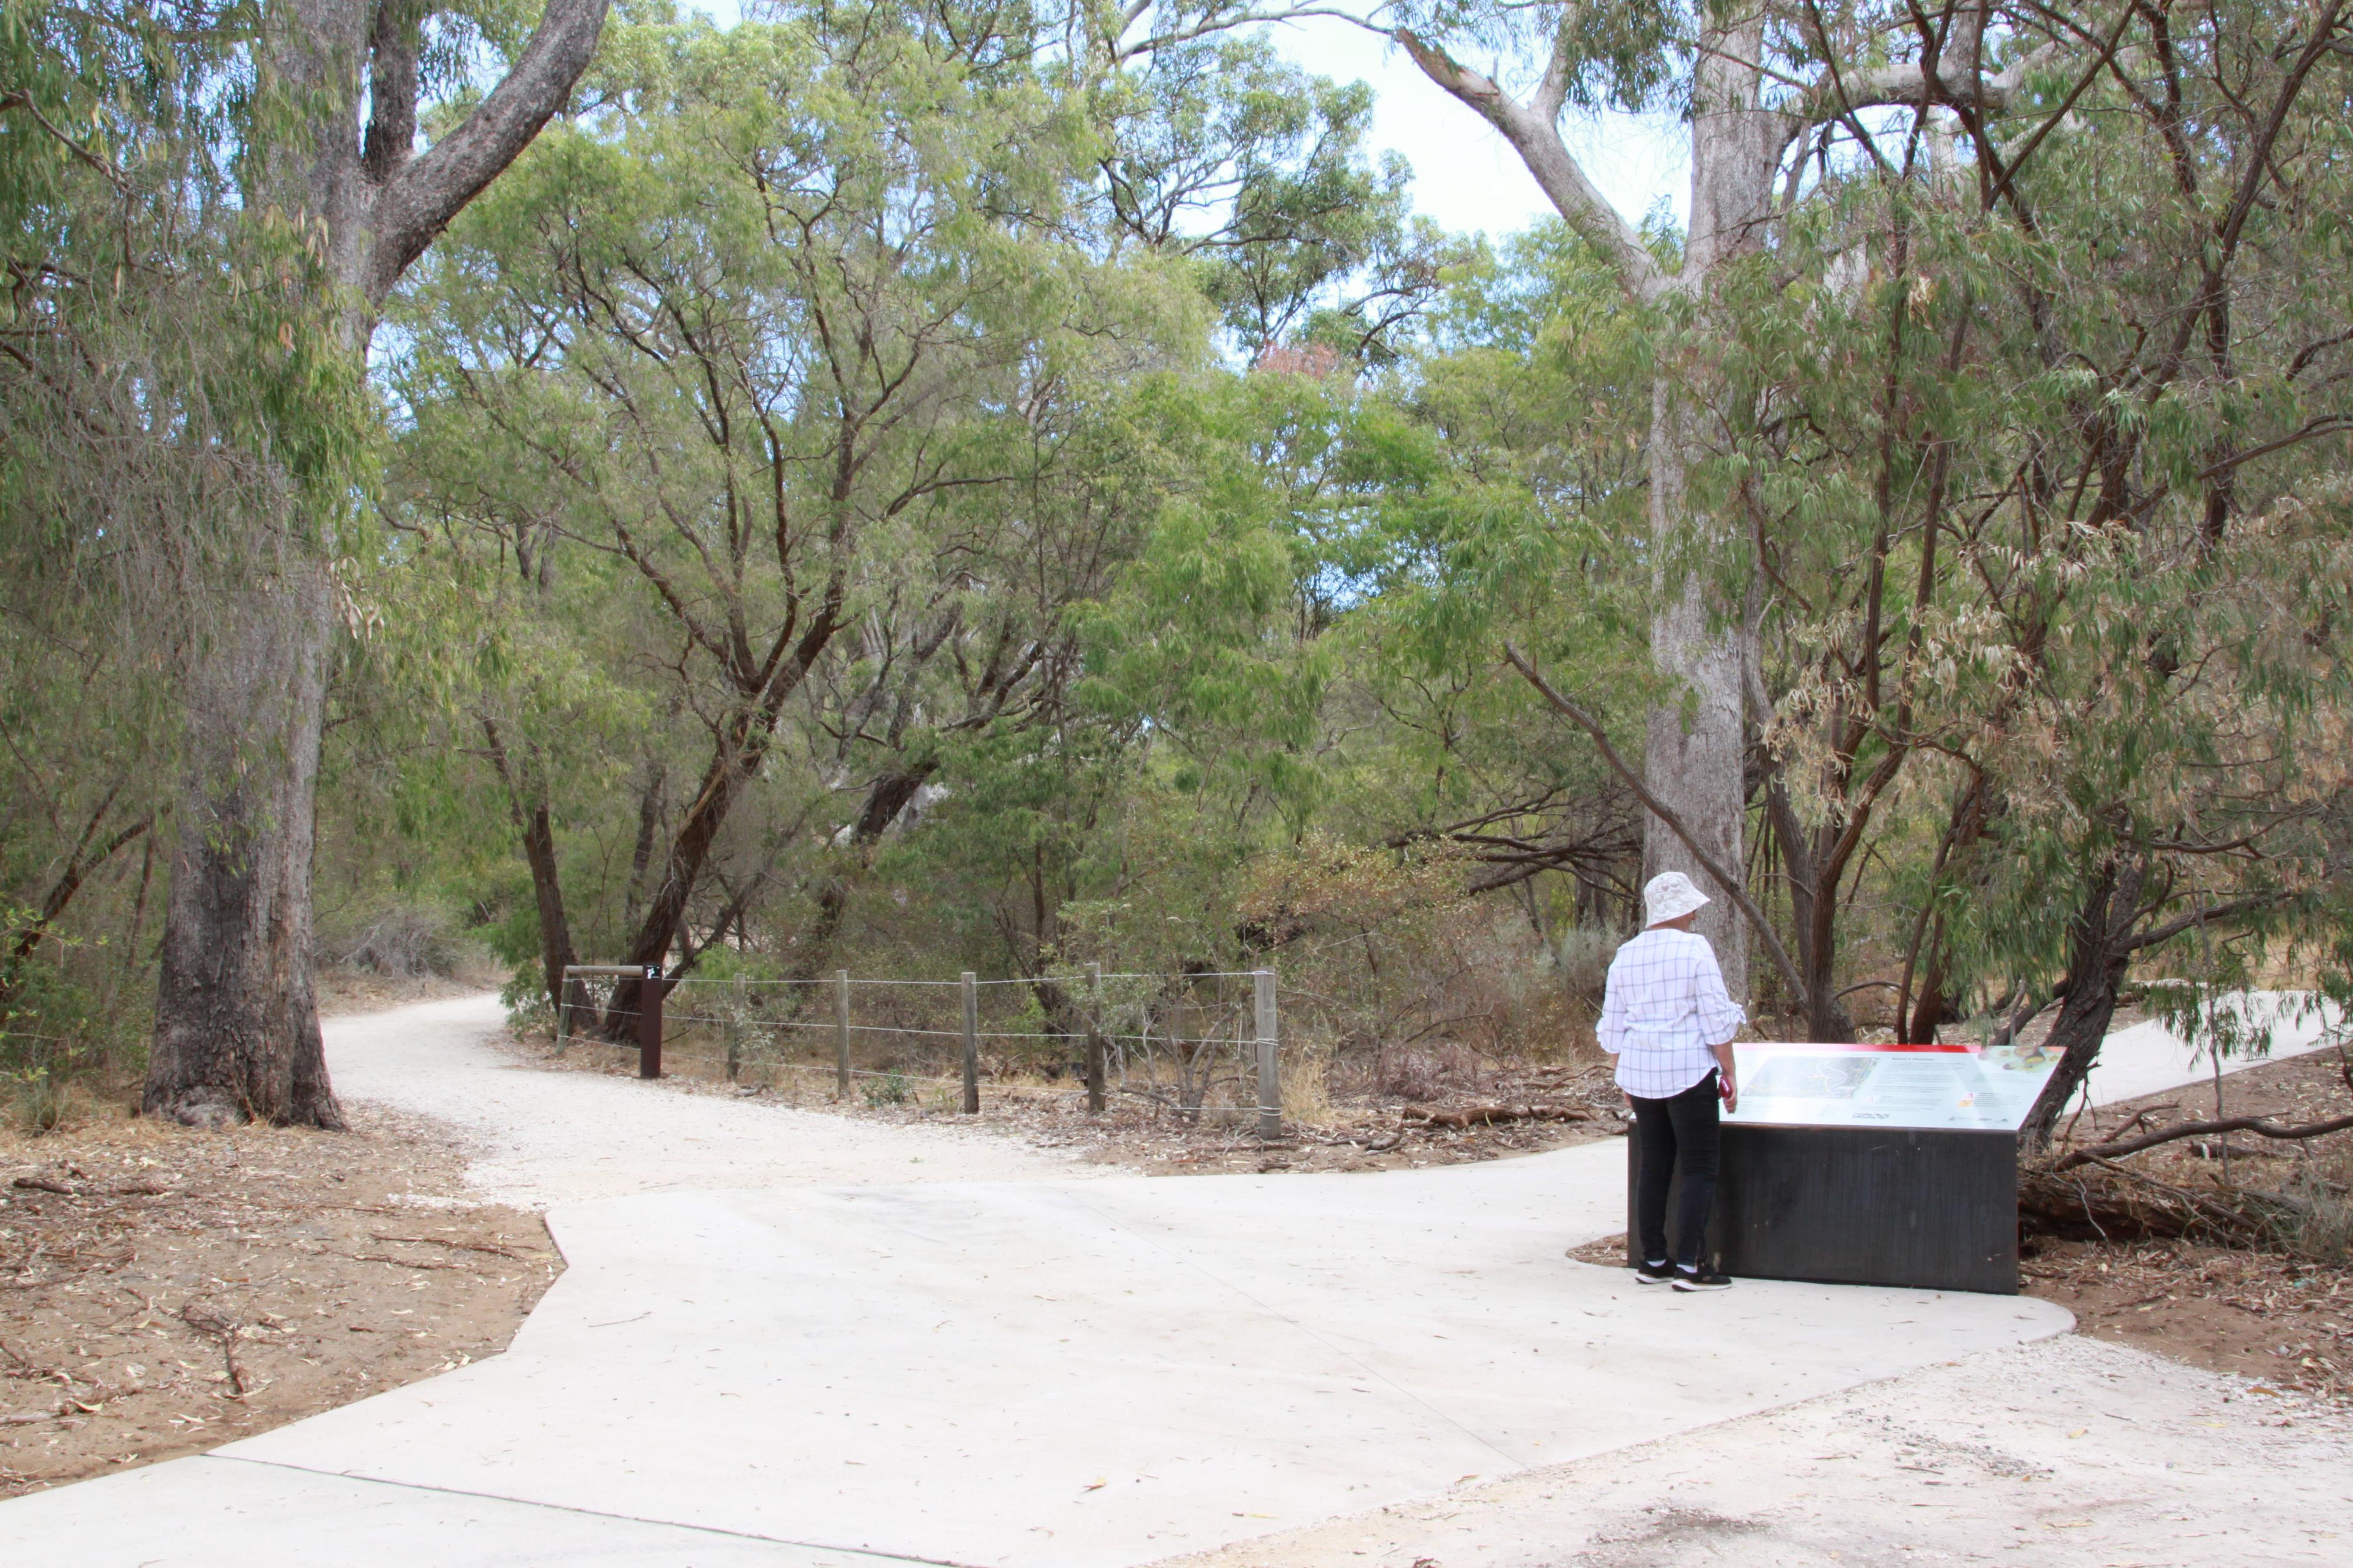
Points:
(1669, 896)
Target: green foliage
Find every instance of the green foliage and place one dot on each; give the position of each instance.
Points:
(905, 486)
(179, 417)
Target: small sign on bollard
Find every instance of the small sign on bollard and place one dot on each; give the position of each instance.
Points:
(650, 991)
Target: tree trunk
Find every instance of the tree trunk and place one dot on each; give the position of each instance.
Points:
(1812, 918)
(1696, 755)
(2099, 950)
(1974, 809)
(886, 798)
(651, 803)
(547, 892)
(1693, 755)
(526, 791)
(237, 1025)
(1692, 762)
(1930, 1004)
(1695, 750)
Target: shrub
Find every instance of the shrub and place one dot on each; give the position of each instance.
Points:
(402, 944)
(2318, 1218)
(42, 1103)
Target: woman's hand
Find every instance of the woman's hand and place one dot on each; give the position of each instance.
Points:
(1727, 1075)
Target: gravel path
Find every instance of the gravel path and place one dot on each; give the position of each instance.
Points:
(539, 1138)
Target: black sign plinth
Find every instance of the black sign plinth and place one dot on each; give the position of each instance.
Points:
(1860, 1206)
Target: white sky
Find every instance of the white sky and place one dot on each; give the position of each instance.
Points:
(1464, 176)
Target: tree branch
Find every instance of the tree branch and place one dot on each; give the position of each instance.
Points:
(417, 203)
(2104, 1152)
(1733, 889)
(1908, 85)
(391, 138)
(2223, 911)
(1535, 137)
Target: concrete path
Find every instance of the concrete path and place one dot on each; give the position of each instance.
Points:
(836, 1365)
(538, 1138)
(2066, 1453)
(2149, 1058)
(1043, 1373)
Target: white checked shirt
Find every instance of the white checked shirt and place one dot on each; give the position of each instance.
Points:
(1664, 1007)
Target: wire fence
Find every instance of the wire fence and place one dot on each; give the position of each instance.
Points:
(1202, 1047)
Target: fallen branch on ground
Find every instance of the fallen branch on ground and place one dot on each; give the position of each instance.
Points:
(2137, 1205)
(1490, 1115)
(444, 1241)
(222, 1330)
(2102, 1153)
(402, 1262)
(1374, 1144)
(69, 1190)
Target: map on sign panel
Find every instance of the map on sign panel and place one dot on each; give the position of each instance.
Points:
(1954, 1087)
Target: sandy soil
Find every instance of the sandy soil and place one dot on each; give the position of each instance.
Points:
(163, 1290)
(2267, 1315)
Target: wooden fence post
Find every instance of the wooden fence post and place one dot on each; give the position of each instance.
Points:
(731, 1031)
(1095, 1037)
(1269, 1072)
(971, 1045)
(841, 1034)
(563, 1011)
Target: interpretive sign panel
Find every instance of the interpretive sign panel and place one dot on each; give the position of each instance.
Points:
(1872, 1164)
(1940, 1088)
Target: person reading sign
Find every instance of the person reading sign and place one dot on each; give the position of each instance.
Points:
(1668, 1020)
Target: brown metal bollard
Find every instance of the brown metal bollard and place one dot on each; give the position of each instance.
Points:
(649, 1021)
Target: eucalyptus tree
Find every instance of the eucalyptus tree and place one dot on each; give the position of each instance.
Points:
(2159, 532)
(1218, 149)
(115, 349)
(1762, 90)
(205, 204)
(791, 338)
(336, 201)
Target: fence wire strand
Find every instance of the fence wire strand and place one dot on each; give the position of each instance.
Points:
(1136, 1019)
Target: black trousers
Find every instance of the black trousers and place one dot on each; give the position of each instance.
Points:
(1683, 1130)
